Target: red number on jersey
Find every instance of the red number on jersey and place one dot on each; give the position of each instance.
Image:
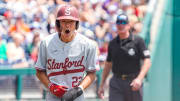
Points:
(76, 81)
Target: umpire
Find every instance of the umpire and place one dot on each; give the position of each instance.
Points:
(129, 59)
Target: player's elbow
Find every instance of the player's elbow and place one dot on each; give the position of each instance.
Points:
(39, 73)
(92, 75)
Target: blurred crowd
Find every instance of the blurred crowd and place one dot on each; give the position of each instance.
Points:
(23, 23)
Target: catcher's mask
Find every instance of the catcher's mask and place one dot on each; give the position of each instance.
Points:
(67, 12)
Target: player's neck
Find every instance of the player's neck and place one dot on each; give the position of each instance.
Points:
(67, 39)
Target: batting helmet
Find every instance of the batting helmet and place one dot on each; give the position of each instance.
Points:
(67, 12)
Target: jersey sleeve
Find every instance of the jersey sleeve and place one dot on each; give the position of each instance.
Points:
(41, 61)
(92, 59)
(144, 52)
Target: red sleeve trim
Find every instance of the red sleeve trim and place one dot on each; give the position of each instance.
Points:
(94, 70)
(40, 69)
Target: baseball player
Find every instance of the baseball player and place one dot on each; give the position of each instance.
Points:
(66, 60)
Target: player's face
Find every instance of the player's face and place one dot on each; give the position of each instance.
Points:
(68, 28)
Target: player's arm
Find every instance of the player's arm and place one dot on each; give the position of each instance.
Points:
(57, 90)
(78, 91)
(87, 81)
(42, 76)
(40, 66)
(91, 62)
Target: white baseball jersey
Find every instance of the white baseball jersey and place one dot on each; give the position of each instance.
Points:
(66, 63)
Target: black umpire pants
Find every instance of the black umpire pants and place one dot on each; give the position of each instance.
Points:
(120, 90)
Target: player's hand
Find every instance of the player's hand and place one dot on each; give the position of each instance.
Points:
(101, 91)
(57, 90)
(72, 94)
(136, 84)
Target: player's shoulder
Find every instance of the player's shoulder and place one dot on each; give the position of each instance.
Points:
(86, 41)
(50, 37)
(81, 36)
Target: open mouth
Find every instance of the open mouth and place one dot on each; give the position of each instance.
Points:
(67, 31)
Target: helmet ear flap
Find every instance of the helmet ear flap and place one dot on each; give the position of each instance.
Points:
(58, 26)
(58, 23)
(77, 25)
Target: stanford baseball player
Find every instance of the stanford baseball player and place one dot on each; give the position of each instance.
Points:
(66, 60)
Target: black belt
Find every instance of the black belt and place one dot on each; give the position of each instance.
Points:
(126, 76)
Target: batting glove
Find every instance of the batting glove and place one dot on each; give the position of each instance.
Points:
(72, 94)
(57, 90)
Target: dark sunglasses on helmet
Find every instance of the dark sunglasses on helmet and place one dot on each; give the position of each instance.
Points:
(121, 22)
(122, 19)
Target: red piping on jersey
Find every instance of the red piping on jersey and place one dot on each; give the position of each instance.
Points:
(40, 69)
(66, 72)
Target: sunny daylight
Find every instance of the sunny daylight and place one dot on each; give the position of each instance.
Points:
(89, 50)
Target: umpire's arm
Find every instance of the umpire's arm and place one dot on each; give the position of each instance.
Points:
(145, 55)
(144, 69)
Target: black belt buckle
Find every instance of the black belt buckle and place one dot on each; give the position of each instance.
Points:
(124, 77)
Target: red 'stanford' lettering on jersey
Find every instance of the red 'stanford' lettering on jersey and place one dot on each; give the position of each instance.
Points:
(55, 65)
(67, 64)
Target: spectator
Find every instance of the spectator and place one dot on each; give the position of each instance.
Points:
(15, 53)
(34, 47)
(87, 13)
(20, 26)
(101, 30)
(137, 28)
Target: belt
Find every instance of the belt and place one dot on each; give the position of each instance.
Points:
(126, 76)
